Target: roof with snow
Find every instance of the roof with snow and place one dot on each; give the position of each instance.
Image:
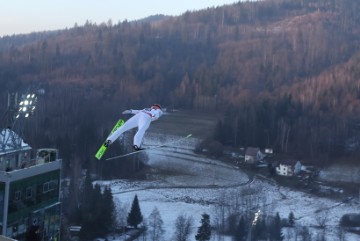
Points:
(11, 142)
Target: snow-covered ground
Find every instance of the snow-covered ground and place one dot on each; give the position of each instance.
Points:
(344, 173)
(189, 184)
(194, 185)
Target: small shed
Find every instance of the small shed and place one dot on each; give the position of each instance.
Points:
(253, 155)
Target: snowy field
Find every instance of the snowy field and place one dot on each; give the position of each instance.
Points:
(344, 173)
(197, 183)
(191, 185)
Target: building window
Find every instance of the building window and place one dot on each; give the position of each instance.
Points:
(50, 186)
(53, 185)
(29, 192)
(45, 187)
(17, 195)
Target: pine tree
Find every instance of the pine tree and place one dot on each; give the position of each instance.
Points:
(204, 231)
(259, 230)
(97, 212)
(277, 233)
(86, 194)
(241, 233)
(72, 202)
(291, 219)
(90, 197)
(135, 217)
(96, 216)
(86, 208)
(108, 208)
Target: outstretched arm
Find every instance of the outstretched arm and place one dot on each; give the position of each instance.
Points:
(130, 111)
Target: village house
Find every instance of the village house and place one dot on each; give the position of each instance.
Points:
(253, 155)
(288, 168)
(269, 151)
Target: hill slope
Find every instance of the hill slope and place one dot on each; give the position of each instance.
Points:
(282, 73)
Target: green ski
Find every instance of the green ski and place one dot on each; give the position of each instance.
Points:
(103, 147)
(150, 148)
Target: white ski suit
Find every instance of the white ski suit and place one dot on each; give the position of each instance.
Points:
(141, 120)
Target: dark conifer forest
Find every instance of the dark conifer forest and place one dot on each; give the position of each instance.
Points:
(281, 73)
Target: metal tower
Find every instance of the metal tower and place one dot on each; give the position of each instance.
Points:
(13, 120)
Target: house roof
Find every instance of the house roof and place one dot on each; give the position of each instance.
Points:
(7, 140)
(289, 162)
(252, 151)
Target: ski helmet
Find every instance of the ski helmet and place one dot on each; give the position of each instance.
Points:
(157, 106)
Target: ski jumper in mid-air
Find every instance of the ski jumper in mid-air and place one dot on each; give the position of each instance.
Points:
(141, 120)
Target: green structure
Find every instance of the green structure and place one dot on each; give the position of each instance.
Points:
(29, 192)
(29, 187)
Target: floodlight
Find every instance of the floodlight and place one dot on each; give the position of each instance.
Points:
(26, 105)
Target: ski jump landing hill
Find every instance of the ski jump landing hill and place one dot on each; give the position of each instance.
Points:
(177, 124)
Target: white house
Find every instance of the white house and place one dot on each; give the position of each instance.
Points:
(269, 151)
(288, 168)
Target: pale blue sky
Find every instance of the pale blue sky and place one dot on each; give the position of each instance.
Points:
(26, 16)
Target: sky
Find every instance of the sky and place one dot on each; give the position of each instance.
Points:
(25, 16)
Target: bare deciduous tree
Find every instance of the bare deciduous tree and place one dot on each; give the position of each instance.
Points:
(341, 233)
(183, 226)
(122, 209)
(156, 230)
(322, 218)
(304, 233)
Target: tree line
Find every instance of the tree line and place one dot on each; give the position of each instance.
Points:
(284, 74)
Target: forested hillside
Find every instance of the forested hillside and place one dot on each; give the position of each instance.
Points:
(284, 74)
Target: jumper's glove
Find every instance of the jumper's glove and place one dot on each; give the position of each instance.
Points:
(127, 112)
